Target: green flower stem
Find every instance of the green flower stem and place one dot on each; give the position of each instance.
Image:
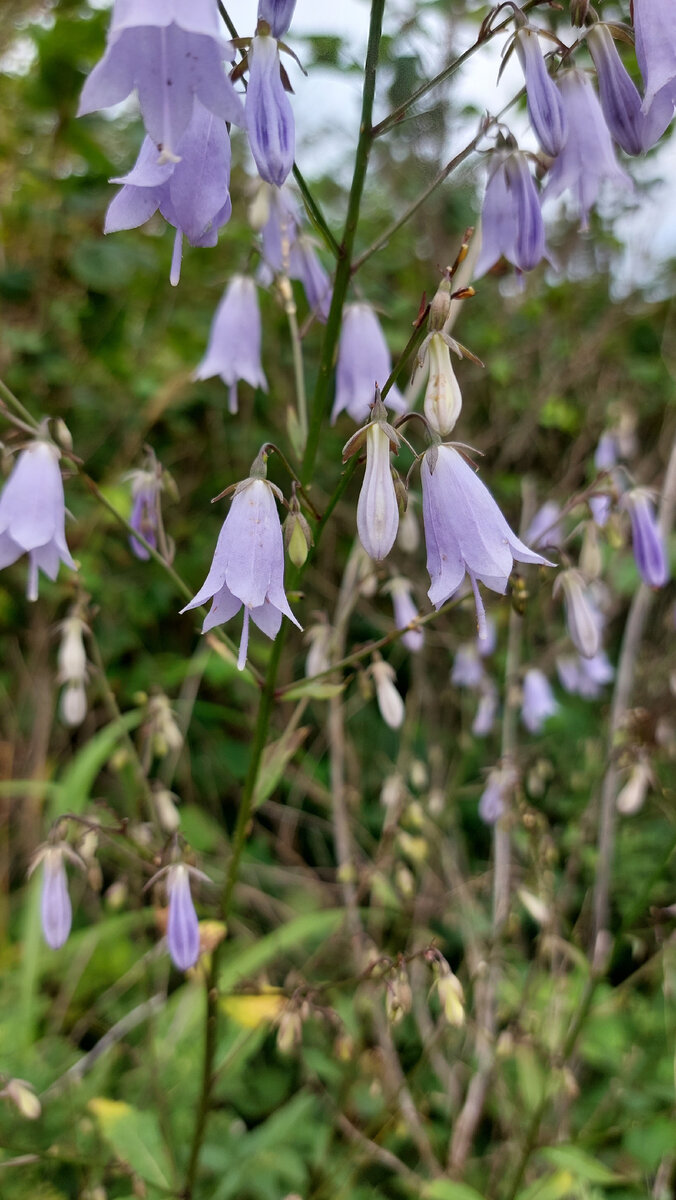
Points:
(15, 404)
(315, 214)
(320, 403)
(268, 696)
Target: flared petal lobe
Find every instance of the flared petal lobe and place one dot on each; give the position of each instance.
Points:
(33, 514)
(269, 115)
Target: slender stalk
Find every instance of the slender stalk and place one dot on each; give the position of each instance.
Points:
(321, 396)
(15, 404)
(400, 111)
(297, 354)
(315, 213)
(631, 642)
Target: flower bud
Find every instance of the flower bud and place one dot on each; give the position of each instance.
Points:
(441, 305)
(55, 907)
(632, 796)
(451, 995)
(183, 934)
(398, 997)
(377, 508)
(390, 702)
(443, 399)
(648, 543)
(289, 1031)
(581, 615)
(168, 816)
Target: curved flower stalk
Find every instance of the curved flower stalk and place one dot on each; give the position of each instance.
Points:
(377, 507)
(234, 349)
(183, 931)
(33, 515)
(655, 29)
(248, 566)
(539, 702)
(171, 52)
(465, 531)
(588, 158)
(545, 109)
(582, 616)
(55, 908)
(364, 362)
(633, 130)
(405, 612)
(277, 13)
(269, 116)
(191, 193)
(511, 218)
(649, 549)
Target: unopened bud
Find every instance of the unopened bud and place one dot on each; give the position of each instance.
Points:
(632, 796)
(116, 896)
(168, 815)
(579, 10)
(415, 849)
(443, 398)
(390, 702)
(452, 997)
(441, 305)
(297, 537)
(290, 1031)
(23, 1098)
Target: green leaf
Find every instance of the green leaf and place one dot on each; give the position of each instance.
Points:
(552, 1187)
(135, 1138)
(580, 1164)
(80, 775)
(446, 1189)
(275, 759)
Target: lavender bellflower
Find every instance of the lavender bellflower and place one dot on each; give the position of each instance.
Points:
(649, 549)
(655, 29)
(538, 700)
(588, 158)
(305, 265)
(145, 488)
(248, 566)
(465, 531)
(192, 193)
(633, 130)
(269, 117)
(170, 51)
(544, 102)
(183, 932)
(405, 612)
(55, 906)
(33, 515)
(363, 361)
(234, 349)
(582, 616)
(511, 219)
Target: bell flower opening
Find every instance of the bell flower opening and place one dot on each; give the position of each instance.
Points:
(465, 532)
(234, 349)
(248, 566)
(364, 360)
(33, 515)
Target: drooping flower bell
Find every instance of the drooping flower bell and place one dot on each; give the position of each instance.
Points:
(585, 677)
(588, 158)
(647, 539)
(545, 109)
(377, 507)
(655, 29)
(487, 709)
(183, 931)
(497, 793)
(633, 130)
(539, 702)
(511, 218)
(170, 51)
(33, 514)
(191, 193)
(363, 361)
(389, 700)
(248, 565)
(544, 529)
(269, 116)
(465, 531)
(305, 265)
(275, 213)
(55, 907)
(277, 13)
(234, 349)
